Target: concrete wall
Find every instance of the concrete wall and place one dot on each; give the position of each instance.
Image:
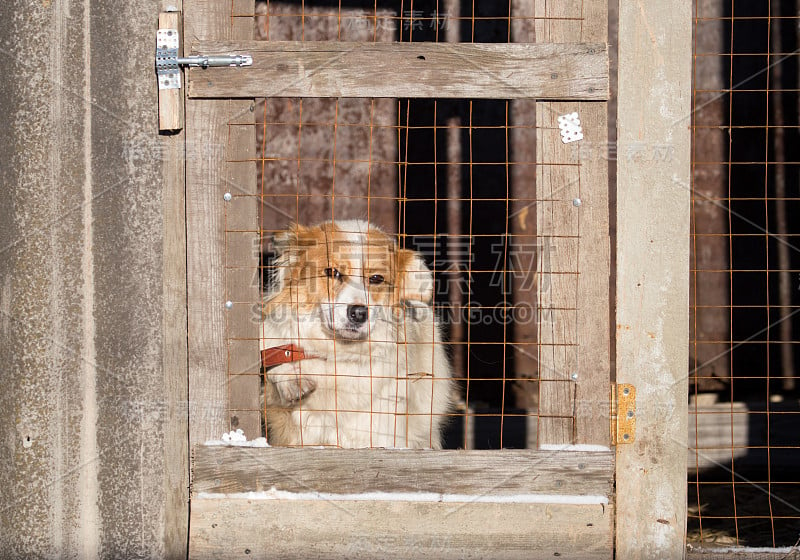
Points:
(93, 453)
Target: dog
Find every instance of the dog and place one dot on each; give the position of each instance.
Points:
(350, 343)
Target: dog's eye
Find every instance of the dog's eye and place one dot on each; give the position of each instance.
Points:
(376, 279)
(333, 273)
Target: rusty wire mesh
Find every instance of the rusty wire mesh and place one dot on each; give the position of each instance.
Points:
(744, 488)
(451, 179)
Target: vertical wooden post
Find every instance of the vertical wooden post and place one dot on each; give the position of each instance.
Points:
(219, 142)
(710, 324)
(527, 245)
(652, 274)
(778, 121)
(572, 225)
(452, 10)
(175, 361)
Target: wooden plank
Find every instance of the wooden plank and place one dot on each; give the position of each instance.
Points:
(208, 177)
(653, 200)
(593, 386)
(241, 528)
(523, 222)
(242, 279)
(415, 70)
(575, 381)
(170, 101)
(556, 179)
(352, 471)
(175, 357)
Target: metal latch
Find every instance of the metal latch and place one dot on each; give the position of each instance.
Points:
(168, 63)
(623, 414)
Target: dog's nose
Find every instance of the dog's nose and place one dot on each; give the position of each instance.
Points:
(357, 313)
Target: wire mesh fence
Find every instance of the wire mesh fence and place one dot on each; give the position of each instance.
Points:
(451, 181)
(744, 488)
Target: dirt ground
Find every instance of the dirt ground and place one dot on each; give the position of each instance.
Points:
(758, 514)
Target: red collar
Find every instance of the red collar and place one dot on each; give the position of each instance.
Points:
(284, 354)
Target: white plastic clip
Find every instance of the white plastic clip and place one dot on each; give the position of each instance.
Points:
(570, 126)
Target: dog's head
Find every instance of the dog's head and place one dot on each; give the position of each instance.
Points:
(349, 275)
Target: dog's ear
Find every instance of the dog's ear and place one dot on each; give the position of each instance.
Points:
(286, 256)
(285, 241)
(415, 280)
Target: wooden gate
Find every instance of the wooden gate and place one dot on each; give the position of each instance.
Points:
(557, 499)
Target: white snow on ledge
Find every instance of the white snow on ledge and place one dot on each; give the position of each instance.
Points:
(274, 494)
(576, 447)
(238, 439)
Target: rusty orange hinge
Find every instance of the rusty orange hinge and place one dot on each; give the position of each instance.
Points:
(623, 414)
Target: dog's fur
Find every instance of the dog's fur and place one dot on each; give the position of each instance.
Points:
(380, 380)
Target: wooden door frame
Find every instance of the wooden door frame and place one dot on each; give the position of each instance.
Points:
(652, 463)
(653, 209)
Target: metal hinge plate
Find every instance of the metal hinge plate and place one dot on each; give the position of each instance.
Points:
(167, 69)
(623, 414)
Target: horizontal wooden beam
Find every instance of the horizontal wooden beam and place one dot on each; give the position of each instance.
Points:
(228, 470)
(547, 71)
(223, 528)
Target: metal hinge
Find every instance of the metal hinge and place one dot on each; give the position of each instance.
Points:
(168, 63)
(623, 414)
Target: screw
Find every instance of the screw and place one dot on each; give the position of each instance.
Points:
(626, 391)
(630, 414)
(227, 196)
(574, 376)
(228, 304)
(626, 437)
(576, 202)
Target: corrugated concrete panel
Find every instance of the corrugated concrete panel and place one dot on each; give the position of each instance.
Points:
(93, 457)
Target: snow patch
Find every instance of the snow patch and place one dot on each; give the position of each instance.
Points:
(238, 439)
(274, 494)
(576, 447)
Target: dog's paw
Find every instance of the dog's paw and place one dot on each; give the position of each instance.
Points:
(292, 385)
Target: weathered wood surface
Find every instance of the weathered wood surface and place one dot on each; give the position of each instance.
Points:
(572, 187)
(170, 101)
(522, 222)
(348, 471)
(557, 185)
(209, 174)
(242, 278)
(653, 197)
(241, 528)
(175, 361)
(414, 70)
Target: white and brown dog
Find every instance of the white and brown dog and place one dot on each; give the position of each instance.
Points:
(350, 342)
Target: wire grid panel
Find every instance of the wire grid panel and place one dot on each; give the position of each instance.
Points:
(455, 181)
(744, 488)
